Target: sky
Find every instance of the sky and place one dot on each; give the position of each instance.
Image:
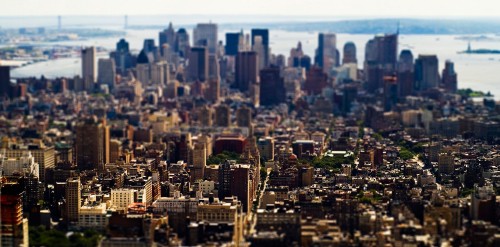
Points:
(344, 8)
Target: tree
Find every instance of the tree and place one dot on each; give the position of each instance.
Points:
(222, 157)
(334, 162)
(406, 154)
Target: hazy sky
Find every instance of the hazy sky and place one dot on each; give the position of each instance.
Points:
(344, 8)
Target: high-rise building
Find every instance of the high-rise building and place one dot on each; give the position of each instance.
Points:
(390, 92)
(205, 114)
(386, 50)
(182, 44)
(244, 116)
(24, 165)
(107, 72)
(92, 144)
(213, 67)
(295, 55)
(198, 64)
(380, 60)
(43, 155)
(5, 81)
(73, 199)
(235, 180)
(223, 116)
(14, 231)
(405, 74)
(123, 58)
(326, 54)
(316, 80)
(426, 72)
(349, 53)
(449, 75)
(233, 41)
(206, 34)
(199, 161)
(168, 37)
(266, 147)
(213, 93)
(264, 33)
(247, 70)
(259, 48)
(272, 87)
(89, 71)
(241, 185)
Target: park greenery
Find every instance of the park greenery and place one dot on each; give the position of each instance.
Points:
(332, 162)
(39, 236)
(469, 93)
(222, 157)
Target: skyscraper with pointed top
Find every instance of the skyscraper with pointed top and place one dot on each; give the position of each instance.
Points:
(167, 36)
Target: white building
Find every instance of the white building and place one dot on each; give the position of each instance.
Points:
(121, 198)
(93, 216)
(207, 186)
(24, 165)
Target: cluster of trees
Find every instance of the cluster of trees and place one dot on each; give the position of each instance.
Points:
(334, 162)
(39, 236)
(469, 93)
(220, 158)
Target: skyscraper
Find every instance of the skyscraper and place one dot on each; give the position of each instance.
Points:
(4, 81)
(349, 53)
(89, 68)
(222, 116)
(316, 81)
(259, 48)
(272, 87)
(123, 57)
(198, 64)
(449, 79)
(213, 93)
(264, 33)
(426, 72)
(44, 155)
(326, 54)
(213, 67)
(246, 70)
(14, 231)
(182, 42)
(206, 33)
(405, 74)
(244, 116)
(205, 114)
(73, 199)
(233, 41)
(167, 36)
(92, 144)
(385, 50)
(107, 72)
(199, 161)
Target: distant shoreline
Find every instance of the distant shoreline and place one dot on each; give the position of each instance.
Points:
(368, 25)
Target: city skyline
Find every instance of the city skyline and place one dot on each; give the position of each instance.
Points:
(442, 9)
